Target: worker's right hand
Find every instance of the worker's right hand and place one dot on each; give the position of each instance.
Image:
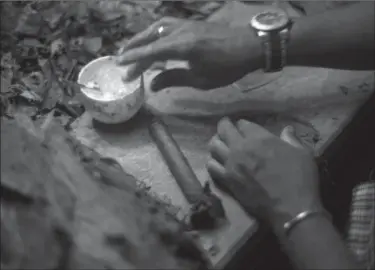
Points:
(217, 54)
(273, 179)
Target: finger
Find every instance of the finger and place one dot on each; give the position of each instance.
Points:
(215, 169)
(288, 135)
(160, 50)
(217, 174)
(149, 35)
(246, 127)
(136, 70)
(218, 149)
(228, 132)
(181, 77)
(143, 38)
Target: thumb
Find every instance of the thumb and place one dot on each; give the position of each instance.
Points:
(182, 77)
(288, 135)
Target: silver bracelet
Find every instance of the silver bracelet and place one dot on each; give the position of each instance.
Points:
(289, 225)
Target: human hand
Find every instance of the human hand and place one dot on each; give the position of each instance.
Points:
(273, 179)
(217, 54)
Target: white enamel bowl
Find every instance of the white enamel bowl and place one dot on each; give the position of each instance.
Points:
(112, 109)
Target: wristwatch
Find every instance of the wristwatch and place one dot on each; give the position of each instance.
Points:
(272, 27)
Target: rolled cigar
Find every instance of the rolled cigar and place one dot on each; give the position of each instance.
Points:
(176, 161)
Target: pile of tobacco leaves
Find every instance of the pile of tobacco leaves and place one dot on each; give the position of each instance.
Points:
(59, 204)
(44, 44)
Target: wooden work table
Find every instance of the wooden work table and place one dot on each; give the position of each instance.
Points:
(319, 103)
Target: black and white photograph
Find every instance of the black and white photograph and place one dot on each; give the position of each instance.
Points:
(147, 134)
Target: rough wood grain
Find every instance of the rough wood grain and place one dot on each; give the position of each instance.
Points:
(65, 207)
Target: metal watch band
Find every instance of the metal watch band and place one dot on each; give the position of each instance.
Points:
(274, 50)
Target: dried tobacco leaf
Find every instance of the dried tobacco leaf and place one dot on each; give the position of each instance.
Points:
(57, 47)
(31, 43)
(53, 15)
(93, 44)
(5, 84)
(29, 23)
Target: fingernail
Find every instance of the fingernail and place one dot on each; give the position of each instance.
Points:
(228, 119)
(290, 129)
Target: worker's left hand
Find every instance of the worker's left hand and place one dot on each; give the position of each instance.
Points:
(272, 178)
(217, 54)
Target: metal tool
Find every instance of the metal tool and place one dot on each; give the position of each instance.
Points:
(206, 208)
(79, 85)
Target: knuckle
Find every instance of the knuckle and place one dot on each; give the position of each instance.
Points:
(214, 168)
(188, 25)
(182, 49)
(167, 19)
(169, 22)
(238, 148)
(164, 19)
(245, 126)
(155, 24)
(243, 122)
(211, 143)
(231, 174)
(222, 125)
(211, 164)
(148, 49)
(190, 52)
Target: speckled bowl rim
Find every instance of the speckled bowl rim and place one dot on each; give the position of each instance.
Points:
(99, 59)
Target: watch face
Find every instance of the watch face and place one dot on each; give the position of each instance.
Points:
(270, 20)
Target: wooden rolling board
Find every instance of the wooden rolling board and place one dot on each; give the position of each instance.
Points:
(318, 102)
(131, 145)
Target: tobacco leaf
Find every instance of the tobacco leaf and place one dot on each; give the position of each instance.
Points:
(92, 44)
(29, 23)
(5, 84)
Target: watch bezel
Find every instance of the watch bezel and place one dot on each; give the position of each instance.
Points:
(259, 26)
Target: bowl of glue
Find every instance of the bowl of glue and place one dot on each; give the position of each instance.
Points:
(104, 93)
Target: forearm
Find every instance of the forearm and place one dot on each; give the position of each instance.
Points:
(314, 243)
(341, 38)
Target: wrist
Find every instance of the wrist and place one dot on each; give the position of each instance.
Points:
(281, 216)
(302, 217)
(272, 30)
(300, 44)
(254, 56)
